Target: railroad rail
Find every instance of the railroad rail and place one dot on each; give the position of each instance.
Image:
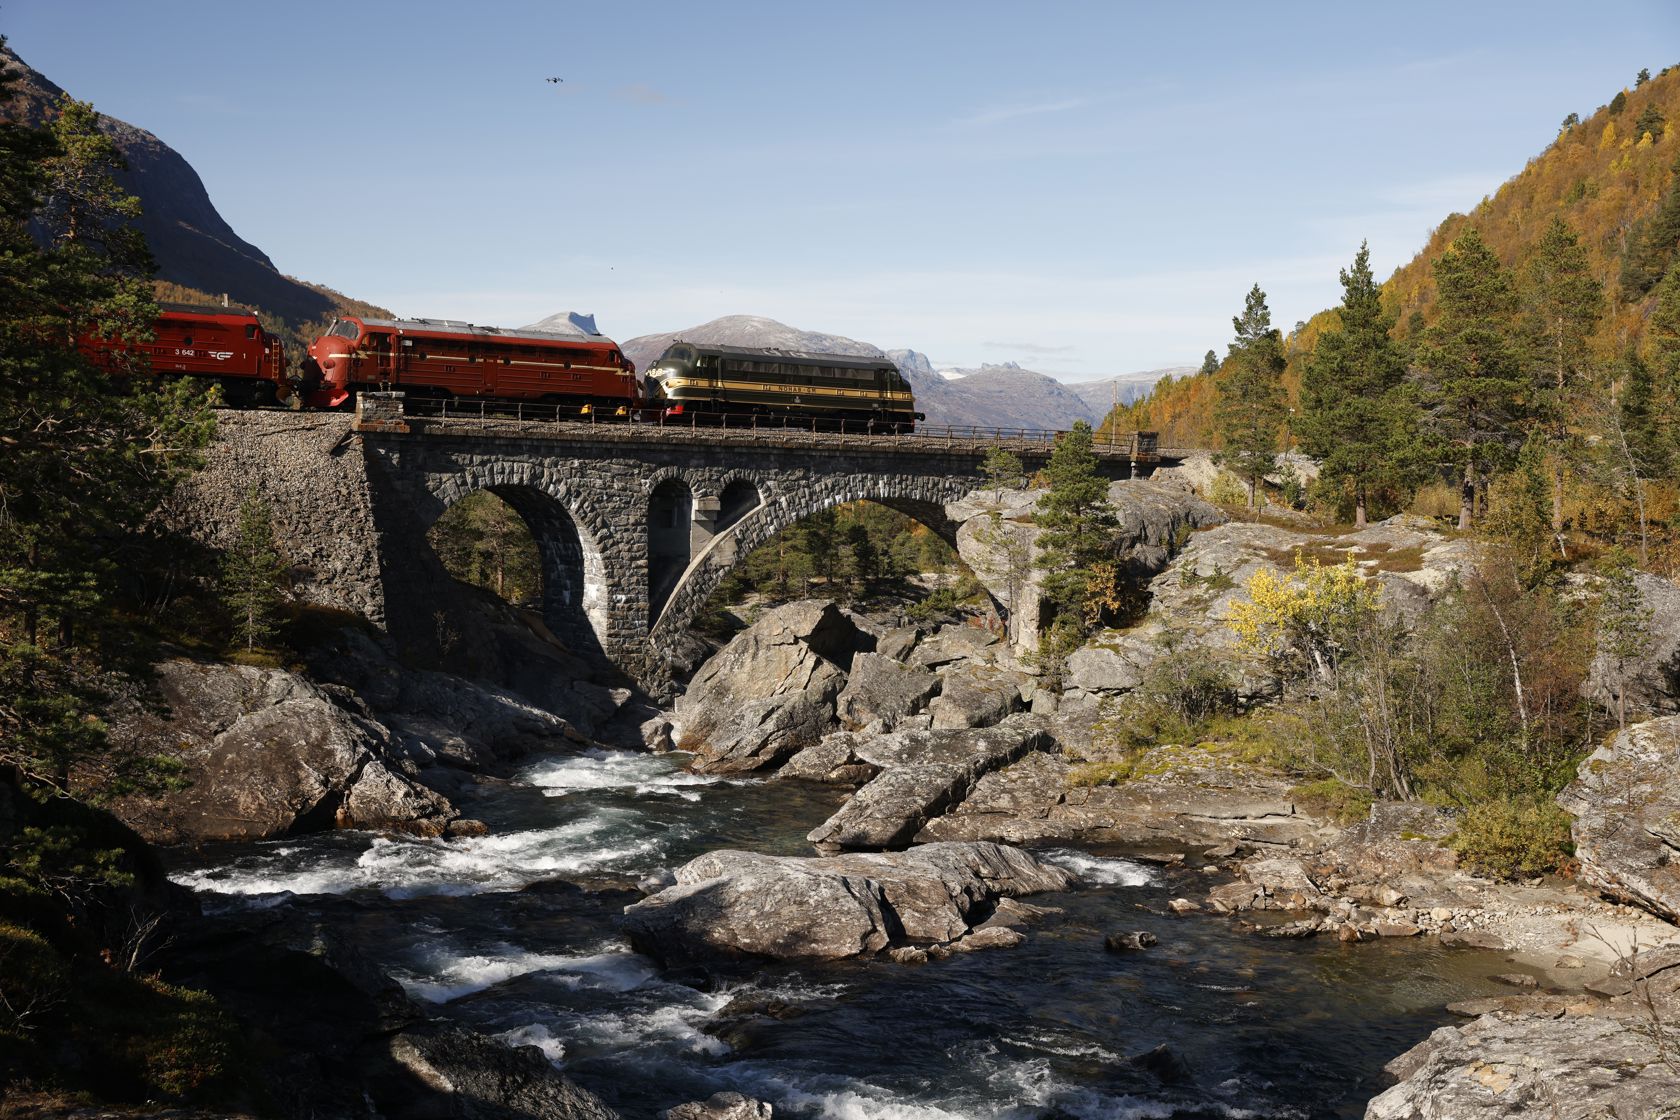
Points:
(379, 411)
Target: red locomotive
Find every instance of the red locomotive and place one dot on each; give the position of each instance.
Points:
(580, 373)
(230, 346)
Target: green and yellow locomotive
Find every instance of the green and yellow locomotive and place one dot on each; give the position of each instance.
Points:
(711, 383)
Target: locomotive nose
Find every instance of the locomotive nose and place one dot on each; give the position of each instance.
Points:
(328, 365)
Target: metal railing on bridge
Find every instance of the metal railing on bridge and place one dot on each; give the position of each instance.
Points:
(1139, 446)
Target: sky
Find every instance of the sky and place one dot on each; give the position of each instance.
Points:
(1084, 188)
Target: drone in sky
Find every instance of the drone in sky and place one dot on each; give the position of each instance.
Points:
(554, 81)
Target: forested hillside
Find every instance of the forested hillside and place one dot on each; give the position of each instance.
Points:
(1610, 175)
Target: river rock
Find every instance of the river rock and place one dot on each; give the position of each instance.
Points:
(835, 759)
(771, 690)
(442, 718)
(1124, 942)
(265, 753)
(879, 689)
(733, 903)
(923, 773)
(1523, 1065)
(720, 1106)
(478, 1078)
(973, 695)
(1626, 804)
(1185, 798)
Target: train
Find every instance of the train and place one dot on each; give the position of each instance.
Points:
(715, 381)
(229, 347)
(572, 372)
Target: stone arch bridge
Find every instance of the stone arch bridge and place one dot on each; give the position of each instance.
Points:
(636, 525)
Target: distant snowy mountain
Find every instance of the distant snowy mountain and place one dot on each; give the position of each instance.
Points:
(747, 330)
(992, 396)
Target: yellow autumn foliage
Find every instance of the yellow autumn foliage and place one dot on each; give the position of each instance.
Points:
(1305, 622)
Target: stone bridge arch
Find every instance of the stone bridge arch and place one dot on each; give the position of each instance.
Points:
(785, 502)
(572, 546)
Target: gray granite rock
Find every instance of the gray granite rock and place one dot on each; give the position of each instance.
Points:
(733, 903)
(1626, 804)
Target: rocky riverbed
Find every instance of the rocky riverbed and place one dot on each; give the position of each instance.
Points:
(849, 807)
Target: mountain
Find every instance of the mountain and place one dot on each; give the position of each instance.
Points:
(1007, 396)
(199, 256)
(747, 330)
(1099, 396)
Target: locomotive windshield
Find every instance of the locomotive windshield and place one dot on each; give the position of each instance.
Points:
(343, 328)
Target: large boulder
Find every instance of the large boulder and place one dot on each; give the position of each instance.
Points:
(922, 774)
(439, 717)
(265, 753)
(882, 691)
(771, 690)
(997, 538)
(1581, 1061)
(468, 1075)
(1653, 688)
(733, 903)
(1626, 804)
(975, 695)
(1179, 797)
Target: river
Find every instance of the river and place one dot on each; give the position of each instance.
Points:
(515, 933)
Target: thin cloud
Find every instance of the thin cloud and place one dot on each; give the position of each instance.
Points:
(640, 93)
(1015, 112)
(1029, 347)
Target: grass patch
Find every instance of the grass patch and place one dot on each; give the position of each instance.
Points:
(1335, 799)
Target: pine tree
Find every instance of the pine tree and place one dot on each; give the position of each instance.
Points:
(1210, 364)
(1564, 303)
(1356, 418)
(253, 572)
(1652, 243)
(1251, 409)
(1624, 626)
(83, 464)
(1003, 469)
(1476, 386)
(1076, 524)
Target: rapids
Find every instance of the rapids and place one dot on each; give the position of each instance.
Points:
(514, 933)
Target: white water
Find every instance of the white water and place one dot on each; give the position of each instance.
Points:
(645, 775)
(441, 975)
(407, 867)
(1100, 871)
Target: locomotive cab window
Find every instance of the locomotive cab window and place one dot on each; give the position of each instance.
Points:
(343, 329)
(250, 330)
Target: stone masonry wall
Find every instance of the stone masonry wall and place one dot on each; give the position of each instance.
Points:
(309, 468)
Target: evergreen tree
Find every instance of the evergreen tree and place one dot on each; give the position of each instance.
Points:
(1076, 525)
(1652, 243)
(1618, 102)
(1642, 77)
(253, 572)
(866, 558)
(1569, 122)
(1356, 417)
(1564, 303)
(1003, 469)
(1210, 364)
(1650, 122)
(84, 463)
(1476, 385)
(1251, 409)
(1624, 627)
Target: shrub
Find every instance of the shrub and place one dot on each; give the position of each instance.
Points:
(1508, 838)
(1227, 490)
